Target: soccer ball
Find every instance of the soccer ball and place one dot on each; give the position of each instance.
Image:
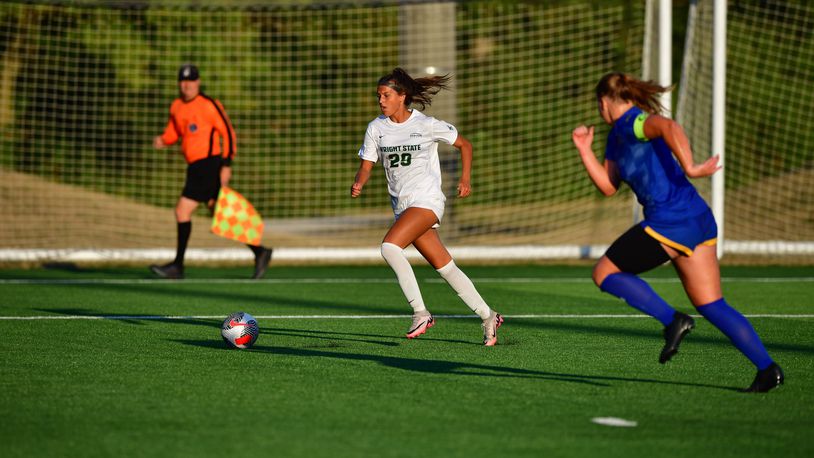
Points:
(239, 330)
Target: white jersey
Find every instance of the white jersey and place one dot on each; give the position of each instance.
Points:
(409, 155)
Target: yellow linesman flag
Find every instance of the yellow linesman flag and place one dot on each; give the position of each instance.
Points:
(236, 219)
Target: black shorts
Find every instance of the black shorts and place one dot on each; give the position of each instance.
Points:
(203, 179)
(635, 251)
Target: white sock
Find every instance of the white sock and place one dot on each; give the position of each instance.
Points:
(394, 256)
(465, 289)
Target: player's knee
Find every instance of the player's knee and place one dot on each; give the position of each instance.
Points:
(602, 269)
(391, 251)
(182, 216)
(598, 276)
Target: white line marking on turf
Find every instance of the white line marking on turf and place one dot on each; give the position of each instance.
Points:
(347, 317)
(129, 281)
(196, 281)
(652, 280)
(614, 421)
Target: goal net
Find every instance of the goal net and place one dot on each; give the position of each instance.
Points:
(769, 157)
(85, 87)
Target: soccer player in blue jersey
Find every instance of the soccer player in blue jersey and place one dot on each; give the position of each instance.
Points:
(678, 225)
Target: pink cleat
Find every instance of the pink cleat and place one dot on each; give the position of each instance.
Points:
(490, 326)
(421, 322)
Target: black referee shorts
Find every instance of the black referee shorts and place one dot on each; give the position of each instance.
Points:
(203, 179)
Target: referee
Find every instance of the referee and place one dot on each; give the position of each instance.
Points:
(202, 125)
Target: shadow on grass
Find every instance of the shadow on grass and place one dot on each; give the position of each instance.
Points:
(579, 326)
(654, 334)
(258, 298)
(132, 318)
(333, 336)
(434, 366)
(394, 338)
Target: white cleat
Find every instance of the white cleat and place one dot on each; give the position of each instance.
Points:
(490, 326)
(421, 322)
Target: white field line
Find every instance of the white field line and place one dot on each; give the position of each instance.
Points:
(130, 281)
(349, 317)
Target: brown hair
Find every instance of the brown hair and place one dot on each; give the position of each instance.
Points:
(419, 90)
(643, 94)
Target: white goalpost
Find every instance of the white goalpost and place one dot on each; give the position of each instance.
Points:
(745, 79)
(719, 118)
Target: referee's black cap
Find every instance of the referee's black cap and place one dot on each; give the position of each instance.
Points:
(188, 72)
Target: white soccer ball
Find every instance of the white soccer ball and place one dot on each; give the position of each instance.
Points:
(240, 330)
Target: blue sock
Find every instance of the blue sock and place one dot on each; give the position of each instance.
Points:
(738, 329)
(639, 295)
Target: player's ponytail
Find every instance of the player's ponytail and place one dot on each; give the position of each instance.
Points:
(418, 90)
(643, 94)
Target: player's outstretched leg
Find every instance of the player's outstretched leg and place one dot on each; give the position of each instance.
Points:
(490, 326)
(422, 319)
(741, 333)
(673, 335)
(639, 295)
(467, 292)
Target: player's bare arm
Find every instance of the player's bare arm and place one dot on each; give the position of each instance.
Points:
(672, 133)
(604, 176)
(464, 184)
(362, 175)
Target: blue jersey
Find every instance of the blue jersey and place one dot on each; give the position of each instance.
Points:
(674, 212)
(649, 168)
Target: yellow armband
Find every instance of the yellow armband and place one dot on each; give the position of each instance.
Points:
(638, 127)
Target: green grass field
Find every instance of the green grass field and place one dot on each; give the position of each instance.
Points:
(332, 375)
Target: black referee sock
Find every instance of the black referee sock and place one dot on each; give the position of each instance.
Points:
(256, 249)
(184, 229)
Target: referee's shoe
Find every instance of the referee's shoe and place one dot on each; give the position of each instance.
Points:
(172, 271)
(261, 263)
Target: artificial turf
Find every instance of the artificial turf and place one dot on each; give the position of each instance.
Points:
(151, 376)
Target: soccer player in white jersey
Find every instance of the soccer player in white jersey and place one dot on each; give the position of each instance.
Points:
(406, 141)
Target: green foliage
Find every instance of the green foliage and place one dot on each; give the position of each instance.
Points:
(296, 80)
(95, 82)
(781, 61)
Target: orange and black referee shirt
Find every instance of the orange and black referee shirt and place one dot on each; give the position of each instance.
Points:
(201, 124)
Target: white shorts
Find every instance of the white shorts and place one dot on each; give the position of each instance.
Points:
(436, 206)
